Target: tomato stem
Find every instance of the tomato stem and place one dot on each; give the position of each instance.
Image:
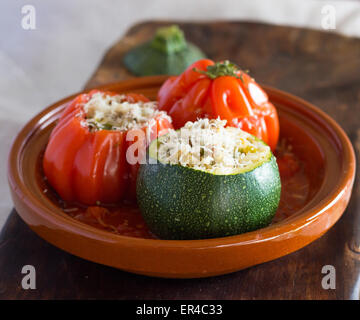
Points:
(169, 39)
(222, 68)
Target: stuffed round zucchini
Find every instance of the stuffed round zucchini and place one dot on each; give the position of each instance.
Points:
(207, 180)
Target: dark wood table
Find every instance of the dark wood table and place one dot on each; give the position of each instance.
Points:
(321, 67)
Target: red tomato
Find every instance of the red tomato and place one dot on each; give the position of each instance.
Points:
(91, 166)
(210, 90)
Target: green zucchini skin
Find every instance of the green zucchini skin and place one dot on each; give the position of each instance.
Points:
(146, 61)
(182, 203)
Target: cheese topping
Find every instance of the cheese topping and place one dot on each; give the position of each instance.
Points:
(105, 112)
(207, 145)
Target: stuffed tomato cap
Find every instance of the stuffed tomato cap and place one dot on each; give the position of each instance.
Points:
(92, 153)
(209, 90)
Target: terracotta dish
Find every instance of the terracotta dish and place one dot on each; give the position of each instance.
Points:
(315, 136)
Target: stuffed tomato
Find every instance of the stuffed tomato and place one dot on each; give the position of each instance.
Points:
(210, 90)
(94, 151)
(215, 181)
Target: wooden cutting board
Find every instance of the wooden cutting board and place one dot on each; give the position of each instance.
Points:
(321, 67)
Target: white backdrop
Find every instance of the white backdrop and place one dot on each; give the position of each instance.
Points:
(38, 67)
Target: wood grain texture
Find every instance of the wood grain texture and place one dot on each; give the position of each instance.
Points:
(323, 68)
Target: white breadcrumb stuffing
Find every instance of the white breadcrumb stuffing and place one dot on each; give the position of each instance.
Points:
(208, 145)
(105, 112)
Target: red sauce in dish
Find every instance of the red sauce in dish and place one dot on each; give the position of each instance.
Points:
(295, 182)
(300, 181)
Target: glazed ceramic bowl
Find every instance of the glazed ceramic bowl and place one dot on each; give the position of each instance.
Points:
(315, 134)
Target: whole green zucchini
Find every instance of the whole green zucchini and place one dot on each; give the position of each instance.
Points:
(167, 53)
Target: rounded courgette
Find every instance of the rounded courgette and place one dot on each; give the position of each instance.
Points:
(167, 53)
(179, 202)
